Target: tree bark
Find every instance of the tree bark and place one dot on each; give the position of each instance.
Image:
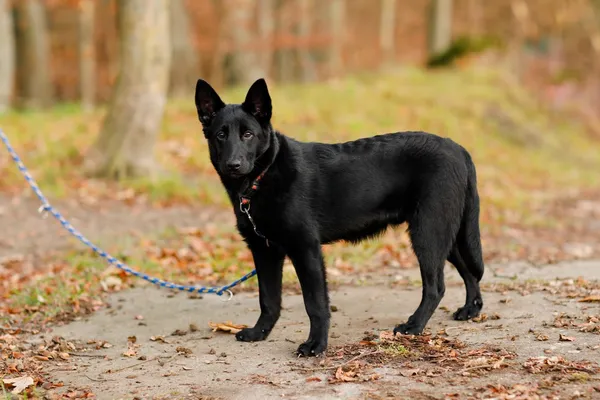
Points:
(266, 29)
(87, 55)
(337, 12)
(7, 56)
(126, 142)
(186, 60)
(307, 62)
(440, 26)
(387, 31)
(33, 58)
(285, 55)
(246, 65)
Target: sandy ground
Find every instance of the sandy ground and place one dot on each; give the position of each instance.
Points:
(216, 366)
(24, 231)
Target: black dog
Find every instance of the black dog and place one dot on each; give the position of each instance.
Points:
(290, 197)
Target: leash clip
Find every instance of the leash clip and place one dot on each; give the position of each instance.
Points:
(229, 297)
(245, 208)
(44, 210)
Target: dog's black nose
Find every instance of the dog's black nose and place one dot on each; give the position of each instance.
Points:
(234, 165)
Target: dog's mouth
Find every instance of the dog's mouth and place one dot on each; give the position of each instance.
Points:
(235, 174)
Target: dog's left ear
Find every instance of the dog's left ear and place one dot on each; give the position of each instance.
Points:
(258, 102)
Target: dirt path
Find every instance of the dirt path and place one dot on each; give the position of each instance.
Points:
(24, 232)
(217, 366)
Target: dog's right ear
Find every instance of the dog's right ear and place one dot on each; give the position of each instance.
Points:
(208, 102)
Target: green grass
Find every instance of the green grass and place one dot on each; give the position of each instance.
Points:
(395, 350)
(463, 105)
(524, 154)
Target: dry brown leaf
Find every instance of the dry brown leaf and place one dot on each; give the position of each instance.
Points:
(564, 338)
(130, 352)
(367, 343)
(226, 327)
(345, 376)
(590, 299)
(184, 350)
(386, 335)
(542, 337)
(411, 372)
(158, 338)
(313, 379)
(18, 384)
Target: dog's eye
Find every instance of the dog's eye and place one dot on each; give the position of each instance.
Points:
(247, 135)
(220, 135)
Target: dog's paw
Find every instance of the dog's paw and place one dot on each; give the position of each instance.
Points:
(408, 328)
(311, 348)
(251, 335)
(466, 312)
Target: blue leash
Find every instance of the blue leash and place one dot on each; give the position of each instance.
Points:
(46, 207)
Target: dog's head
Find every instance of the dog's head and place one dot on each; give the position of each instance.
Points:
(237, 134)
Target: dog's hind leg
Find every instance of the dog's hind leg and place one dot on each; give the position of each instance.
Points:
(431, 241)
(467, 254)
(269, 267)
(473, 303)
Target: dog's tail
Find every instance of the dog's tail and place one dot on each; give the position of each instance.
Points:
(469, 239)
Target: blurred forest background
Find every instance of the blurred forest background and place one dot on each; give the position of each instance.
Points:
(97, 89)
(97, 98)
(68, 50)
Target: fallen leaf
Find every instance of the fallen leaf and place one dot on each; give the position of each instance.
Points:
(193, 328)
(367, 343)
(590, 299)
(179, 332)
(345, 376)
(313, 379)
(18, 384)
(226, 327)
(132, 339)
(411, 372)
(564, 338)
(158, 338)
(63, 355)
(130, 352)
(184, 350)
(111, 282)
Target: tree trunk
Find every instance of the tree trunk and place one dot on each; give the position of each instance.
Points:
(245, 63)
(87, 55)
(33, 58)
(126, 142)
(7, 56)
(387, 31)
(307, 62)
(440, 26)
(266, 29)
(337, 12)
(185, 68)
(285, 55)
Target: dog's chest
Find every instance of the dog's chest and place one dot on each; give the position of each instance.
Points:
(259, 218)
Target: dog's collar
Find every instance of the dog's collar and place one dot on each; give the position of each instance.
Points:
(245, 201)
(248, 193)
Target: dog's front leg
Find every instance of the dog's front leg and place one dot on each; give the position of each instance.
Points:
(310, 268)
(269, 266)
